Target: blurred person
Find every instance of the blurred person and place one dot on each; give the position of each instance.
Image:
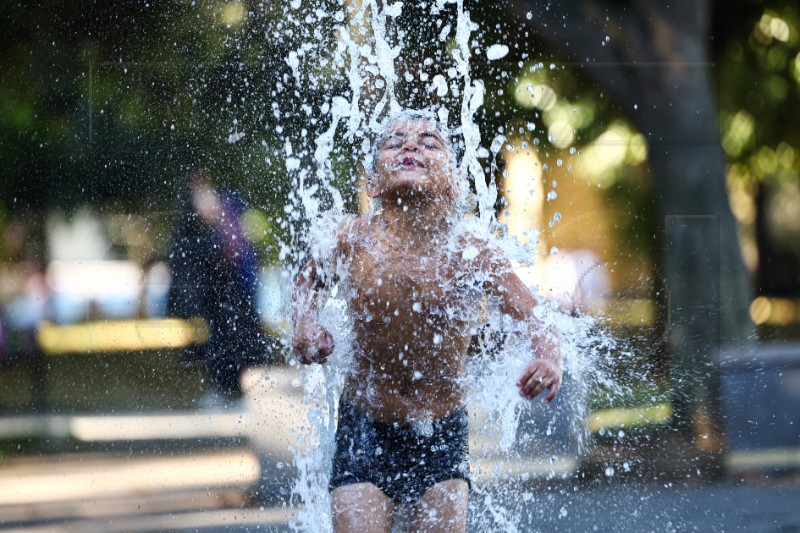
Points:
(414, 283)
(214, 276)
(25, 311)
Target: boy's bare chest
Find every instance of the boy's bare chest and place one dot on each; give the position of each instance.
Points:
(415, 281)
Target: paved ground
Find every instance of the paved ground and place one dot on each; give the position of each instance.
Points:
(640, 508)
(118, 492)
(163, 484)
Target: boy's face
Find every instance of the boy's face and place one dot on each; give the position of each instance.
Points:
(413, 158)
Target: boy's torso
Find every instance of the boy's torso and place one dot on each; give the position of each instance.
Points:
(414, 309)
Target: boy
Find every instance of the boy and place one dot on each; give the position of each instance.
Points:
(414, 285)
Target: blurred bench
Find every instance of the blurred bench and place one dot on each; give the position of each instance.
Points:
(120, 335)
(761, 404)
(29, 350)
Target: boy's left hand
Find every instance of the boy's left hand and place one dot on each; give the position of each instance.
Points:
(538, 375)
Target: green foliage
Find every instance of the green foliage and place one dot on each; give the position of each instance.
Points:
(637, 394)
(759, 91)
(110, 104)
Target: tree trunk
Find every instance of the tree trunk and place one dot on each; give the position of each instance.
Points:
(655, 65)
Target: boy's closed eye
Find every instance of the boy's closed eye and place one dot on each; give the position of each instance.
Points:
(430, 141)
(427, 140)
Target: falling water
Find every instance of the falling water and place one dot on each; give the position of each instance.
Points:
(366, 40)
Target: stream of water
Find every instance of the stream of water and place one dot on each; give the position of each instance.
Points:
(511, 440)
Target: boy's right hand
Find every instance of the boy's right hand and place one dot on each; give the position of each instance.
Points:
(311, 342)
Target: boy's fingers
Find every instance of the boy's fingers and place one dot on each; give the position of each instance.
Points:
(298, 347)
(534, 386)
(312, 345)
(532, 381)
(541, 378)
(324, 344)
(532, 393)
(527, 372)
(301, 356)
(553, 392)
(538, 376)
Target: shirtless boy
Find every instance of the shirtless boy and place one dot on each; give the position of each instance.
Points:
(412, 292)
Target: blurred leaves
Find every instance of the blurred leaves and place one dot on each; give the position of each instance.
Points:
(110, 103)
(758, 62)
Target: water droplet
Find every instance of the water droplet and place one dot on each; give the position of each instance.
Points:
(496, 51)
(471, 252)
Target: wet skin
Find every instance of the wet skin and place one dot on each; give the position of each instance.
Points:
(410, 337)
(415, 300)
(409, 291)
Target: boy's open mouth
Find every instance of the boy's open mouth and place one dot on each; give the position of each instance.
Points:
(411, 162)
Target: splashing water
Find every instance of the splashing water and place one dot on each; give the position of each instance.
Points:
(509, 435)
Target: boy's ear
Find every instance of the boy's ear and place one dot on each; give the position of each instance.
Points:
(371, 186)
(457, 184)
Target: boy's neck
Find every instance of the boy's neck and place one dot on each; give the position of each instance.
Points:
(418, 223)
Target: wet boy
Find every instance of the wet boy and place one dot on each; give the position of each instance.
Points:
(413, 283)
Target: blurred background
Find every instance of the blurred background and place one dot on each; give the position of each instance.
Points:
(649, 155)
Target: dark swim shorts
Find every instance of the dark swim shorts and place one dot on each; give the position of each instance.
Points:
(403, 460)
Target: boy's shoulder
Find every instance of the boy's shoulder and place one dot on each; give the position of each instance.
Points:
(353, 228)
(480, 248)
(472, 240)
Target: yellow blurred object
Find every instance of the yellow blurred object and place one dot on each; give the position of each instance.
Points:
(627, 312)
(233, 13)
(524, 190)
(629, 417)
(774, 311)
(120, 335)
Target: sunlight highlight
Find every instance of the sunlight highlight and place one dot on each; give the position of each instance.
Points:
(120, 335)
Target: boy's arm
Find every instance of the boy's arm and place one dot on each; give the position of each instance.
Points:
(545, 371)
(311, 342)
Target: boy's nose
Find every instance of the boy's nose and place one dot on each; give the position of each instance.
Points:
(410, 144)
